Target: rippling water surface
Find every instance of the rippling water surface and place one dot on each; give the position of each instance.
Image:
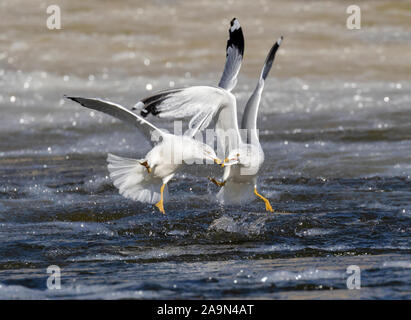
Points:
(335, 125)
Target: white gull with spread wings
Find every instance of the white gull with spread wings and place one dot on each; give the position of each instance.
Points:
(144, 179)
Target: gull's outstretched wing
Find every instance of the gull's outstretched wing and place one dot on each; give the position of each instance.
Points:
(194, 102)
(201, 104)
(119, 112)
(234, 56)
(249, 120)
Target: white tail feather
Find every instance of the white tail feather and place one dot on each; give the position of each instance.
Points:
(236, 193)
(133, 180)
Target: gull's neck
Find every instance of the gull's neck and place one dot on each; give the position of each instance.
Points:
(249, 120)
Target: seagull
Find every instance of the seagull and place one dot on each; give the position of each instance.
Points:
(238, 178)
(145, 179)
(203, 104)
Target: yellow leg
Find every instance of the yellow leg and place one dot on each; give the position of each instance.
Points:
(159, 204)
(217, 183)
(267, 203)
(145, 164)
(223, 163)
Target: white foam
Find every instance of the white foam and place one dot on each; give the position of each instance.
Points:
(242, 226)
(122, 291)
(309, 274)
(397, 264)
(314, 232)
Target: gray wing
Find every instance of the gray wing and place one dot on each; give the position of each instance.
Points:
(200, 104)
(197, 103)
(234, 56)
(249, 120)
(119, 112)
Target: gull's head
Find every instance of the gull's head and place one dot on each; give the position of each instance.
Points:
(199, 151)
(234, 157)
(246, 155)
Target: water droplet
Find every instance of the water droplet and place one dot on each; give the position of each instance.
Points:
(149, 87)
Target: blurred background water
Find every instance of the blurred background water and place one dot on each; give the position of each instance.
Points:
(335, 124)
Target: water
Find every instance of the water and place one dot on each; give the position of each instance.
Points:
(334, 124)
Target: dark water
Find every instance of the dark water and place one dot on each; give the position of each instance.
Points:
(337, 169)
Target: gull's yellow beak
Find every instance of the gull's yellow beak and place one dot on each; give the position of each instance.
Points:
(225, 160)
(229, 162)
(217, 161)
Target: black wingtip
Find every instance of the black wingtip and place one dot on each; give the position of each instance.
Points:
(234, 24)
(236, 37)
(151, 109)
(149, 104)
(270, 58)
(71, 98)
(76, 99)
